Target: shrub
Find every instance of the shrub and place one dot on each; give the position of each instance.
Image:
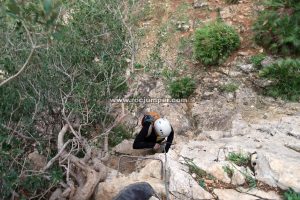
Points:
(228, 170)
(257, 59)
(285, 77)
(278, 26)
(182, 88)
(138, 66)
(250, 181)
(66, 66)
(290, 194)
(214, 43)
(238, 158)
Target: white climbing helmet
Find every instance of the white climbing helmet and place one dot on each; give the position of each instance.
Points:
(162, 127)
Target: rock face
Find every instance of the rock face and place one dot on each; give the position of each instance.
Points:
(251, 195)
(175, 112)
(213, 115)
(274, 163)
(181, 184)
(274, 160)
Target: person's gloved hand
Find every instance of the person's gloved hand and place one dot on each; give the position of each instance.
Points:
(148, 119)
(156, 146)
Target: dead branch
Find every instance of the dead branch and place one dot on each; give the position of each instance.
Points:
(50, 163)
(21, 70)
(17, 132)
(33, 48)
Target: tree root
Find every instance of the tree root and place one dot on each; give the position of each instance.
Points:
(85, 175)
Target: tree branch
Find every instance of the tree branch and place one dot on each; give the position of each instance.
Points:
(50, 163)
(20, 71)
(33, 48)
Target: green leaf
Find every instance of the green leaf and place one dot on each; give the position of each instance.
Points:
(47, 6)
(13, 7)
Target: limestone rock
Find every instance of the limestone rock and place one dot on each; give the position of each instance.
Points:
(225, 194)
(37, 160)
(214, 135)
(213, 114)
(246, 97)
(108, 190)
(239, 126)
(181, 183)
(290, 126)
(182, 26)
(247, 68)
(237, 178)
(278, 170)
(125, 147)
(226, 13)
(274, 164)
(200, 3)
(175, 113)
(267, 61)
(262, 82)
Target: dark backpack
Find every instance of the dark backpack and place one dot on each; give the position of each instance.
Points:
(136, 191)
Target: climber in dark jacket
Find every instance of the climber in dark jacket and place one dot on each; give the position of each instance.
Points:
(153, 134)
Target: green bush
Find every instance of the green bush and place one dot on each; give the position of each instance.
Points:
(290, 194)
(228, 170)
(182, 88)
(285, 77)
(238, 158)
(257, 59)
(78, 60)
(250, 181)
(278, 26)
(215, 42)
(138, 66)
